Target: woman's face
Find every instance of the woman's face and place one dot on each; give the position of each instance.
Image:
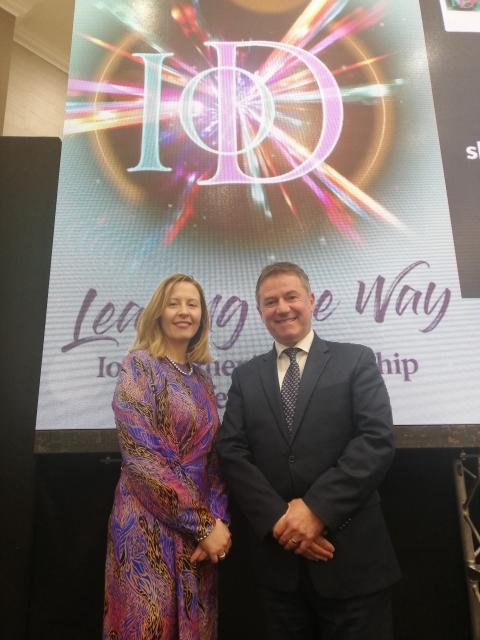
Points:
(181, 317)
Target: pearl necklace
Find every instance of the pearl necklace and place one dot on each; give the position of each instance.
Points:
(175, 366)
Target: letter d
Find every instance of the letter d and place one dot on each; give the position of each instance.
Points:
(228, 170)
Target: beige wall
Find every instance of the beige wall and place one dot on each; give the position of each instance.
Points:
(36, 96)
(35, 40)
(7, 26)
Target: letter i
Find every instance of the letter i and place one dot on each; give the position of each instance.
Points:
(396, 363)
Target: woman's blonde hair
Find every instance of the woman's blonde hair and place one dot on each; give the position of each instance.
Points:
(149, 331)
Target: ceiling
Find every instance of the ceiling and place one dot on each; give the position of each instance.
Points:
(44, 27)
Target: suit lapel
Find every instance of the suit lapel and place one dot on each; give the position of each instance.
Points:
(318, 357)
(269, 377)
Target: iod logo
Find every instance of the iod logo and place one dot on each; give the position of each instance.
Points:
(228, 77)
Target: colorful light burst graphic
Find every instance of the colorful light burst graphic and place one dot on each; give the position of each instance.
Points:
(161, 148)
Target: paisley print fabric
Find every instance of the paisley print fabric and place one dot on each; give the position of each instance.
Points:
(168, 496)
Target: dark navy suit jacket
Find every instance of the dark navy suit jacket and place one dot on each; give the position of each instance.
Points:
(340, 450)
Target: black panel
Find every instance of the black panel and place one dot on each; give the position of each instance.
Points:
(28, 185)
(419, 504)
(453, 61)
(75, 494)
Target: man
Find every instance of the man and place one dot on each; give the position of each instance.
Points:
(305, 442)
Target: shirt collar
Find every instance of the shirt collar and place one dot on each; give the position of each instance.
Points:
(304, 344)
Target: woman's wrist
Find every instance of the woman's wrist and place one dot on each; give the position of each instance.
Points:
(204, 531)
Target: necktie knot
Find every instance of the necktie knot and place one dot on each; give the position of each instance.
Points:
(291, 352)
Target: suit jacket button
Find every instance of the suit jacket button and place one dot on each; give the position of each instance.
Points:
(291, 459)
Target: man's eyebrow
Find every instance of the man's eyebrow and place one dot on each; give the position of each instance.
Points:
(286, 294)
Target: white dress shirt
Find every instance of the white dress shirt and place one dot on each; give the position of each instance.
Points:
(283, 361)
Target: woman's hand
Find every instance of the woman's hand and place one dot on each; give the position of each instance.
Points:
(215, 546)
(198, 555)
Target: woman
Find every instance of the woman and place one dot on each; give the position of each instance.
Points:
(166, 530)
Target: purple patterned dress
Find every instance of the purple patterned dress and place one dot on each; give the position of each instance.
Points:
(168, 496)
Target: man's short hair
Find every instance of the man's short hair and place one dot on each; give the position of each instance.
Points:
(277, 268)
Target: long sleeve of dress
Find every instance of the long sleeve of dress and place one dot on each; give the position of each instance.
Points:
(218, 492)
(151, 463)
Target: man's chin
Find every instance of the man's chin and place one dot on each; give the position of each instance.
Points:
(288, 339)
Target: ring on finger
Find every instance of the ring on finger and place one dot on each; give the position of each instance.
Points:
(293, 541)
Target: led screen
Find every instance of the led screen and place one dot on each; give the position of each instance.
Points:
(214, 137)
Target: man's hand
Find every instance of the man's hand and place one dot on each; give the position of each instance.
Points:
(298, 527)
(319, 549)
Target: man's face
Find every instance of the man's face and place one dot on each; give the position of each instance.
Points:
(285, 307)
